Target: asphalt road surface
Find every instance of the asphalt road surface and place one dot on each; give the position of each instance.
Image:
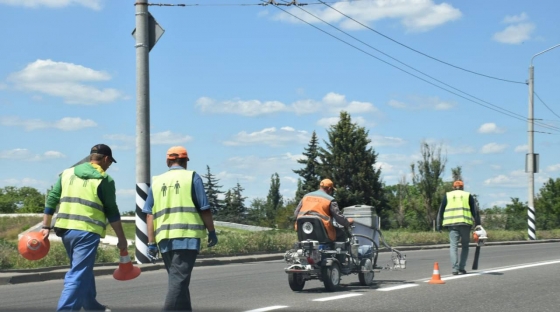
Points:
(510, 278)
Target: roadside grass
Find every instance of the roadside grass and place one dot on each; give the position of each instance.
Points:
(231, 242)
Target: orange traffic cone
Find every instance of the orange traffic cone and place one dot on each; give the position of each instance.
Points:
(126, 271)
(436, 278)
(32, 246)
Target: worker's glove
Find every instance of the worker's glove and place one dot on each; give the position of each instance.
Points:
(212, 238)
(153, 252)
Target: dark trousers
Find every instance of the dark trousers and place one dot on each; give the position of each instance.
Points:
(179, 265)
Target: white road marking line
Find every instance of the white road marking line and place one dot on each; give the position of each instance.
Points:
(337, 297)
(397, 287)
(510, 268)
(268, 308)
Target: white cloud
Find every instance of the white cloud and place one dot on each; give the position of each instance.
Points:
(493, 148)
(270, 137)
(510, 19)
(422, 103)
(249, 108)
(64, 124)
(414, 15)
(490, 127)
(515, 179)
(553, 168)
(515, 34)
(379, 140)
(42, 186)
(65, 80)
(521, 148)
(90, 4)
(332, 103)
(24, 154)
(168, 138)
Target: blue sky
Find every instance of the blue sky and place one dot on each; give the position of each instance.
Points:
(242, 87)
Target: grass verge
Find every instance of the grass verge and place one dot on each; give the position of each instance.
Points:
(231, 242)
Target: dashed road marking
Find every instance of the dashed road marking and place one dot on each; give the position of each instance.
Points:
(397, 287)
(268, 308)
(504, 269)
(337, 297)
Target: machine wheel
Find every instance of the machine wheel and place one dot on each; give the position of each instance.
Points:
(366, 279)
(296, 281)
(331, 276)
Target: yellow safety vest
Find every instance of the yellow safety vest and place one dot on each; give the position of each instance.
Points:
(80, 207)
(175, 214)
(458, 209)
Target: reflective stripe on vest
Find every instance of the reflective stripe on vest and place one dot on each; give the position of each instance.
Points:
(319, 203)
(80, 207)
(175, 215)
(458, 209)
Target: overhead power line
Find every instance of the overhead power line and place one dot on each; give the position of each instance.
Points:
(550, 109)
(489, 106)
(419, 52)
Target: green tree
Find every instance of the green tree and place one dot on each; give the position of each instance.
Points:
(274, 199)
(24, 199)
(547, 205)
(349, 162)
(8, 199)
(256, 213)
(309, 173)
(235, 209)
(399, 200)
(213, 192)
(516, 215)
(428, 181)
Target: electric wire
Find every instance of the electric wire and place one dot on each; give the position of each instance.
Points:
(268, 2)
(538, 97)
(417, 51)
(489, 106)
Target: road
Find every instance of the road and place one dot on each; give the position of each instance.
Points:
(510, 278)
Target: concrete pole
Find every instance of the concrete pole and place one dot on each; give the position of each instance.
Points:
(531, 160)
(531, 163)
(142, 127)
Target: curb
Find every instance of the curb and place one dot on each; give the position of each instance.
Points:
(20, 276)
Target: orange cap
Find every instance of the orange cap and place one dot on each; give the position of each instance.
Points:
(458, 183)
(177, 152)
(327, 183)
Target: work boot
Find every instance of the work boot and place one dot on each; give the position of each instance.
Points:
(461, 272)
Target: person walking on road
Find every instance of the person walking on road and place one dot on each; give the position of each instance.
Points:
(321, 202)
(178, 215)
(86, 194)
(457, 212)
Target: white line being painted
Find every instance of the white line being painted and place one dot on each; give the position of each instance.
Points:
(337, 297)
(397, 287)
(509, 268)
(268, 309)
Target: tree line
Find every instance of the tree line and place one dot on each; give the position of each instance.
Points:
(350, 161)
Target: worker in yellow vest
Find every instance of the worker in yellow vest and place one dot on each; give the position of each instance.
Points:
(86, 194)
(458, 212)
(178, 216)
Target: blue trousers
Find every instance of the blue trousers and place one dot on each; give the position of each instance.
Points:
(459, 233)
(179, 265)
(79, 282)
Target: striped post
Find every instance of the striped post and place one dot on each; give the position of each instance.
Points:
(141, 241)
(531, 223)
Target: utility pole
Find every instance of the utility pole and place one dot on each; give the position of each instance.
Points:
(532, 159)
(142, 126)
